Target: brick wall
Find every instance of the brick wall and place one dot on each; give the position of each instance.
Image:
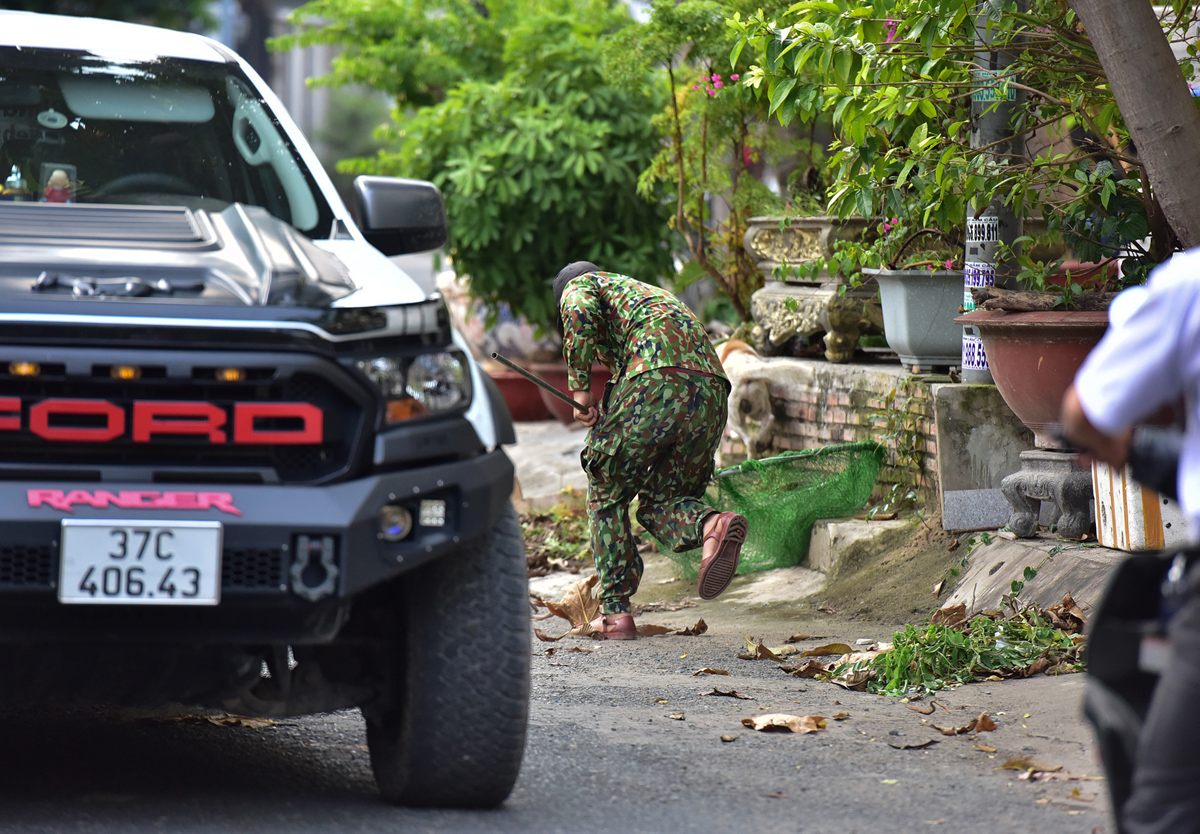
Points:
(817, 403)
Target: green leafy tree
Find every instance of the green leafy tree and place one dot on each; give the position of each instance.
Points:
(898, 76)
(714, 133)
(506, 107)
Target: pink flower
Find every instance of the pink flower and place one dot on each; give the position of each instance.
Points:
(704, 78)
(718, 84)
(949, 264)
(733, 77)
(711, 91)
(895, 221)
(695, 86)
(716, 77)
(891, 25)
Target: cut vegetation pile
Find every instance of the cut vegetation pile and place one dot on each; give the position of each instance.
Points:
(953, 650)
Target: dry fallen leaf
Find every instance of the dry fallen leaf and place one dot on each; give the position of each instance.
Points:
(579, 649)
(775, 795)
(694, 631)
(550, 652)
(546, 638)
(984, 723)
(853, 679)
(577, 606)
(922, 710)
(677, 716)
(779, 722)
(810, 669)
(757, 651)
(937, 589)
(983, 748)
(733, 693)
(840, 716)
(950, 615)
(827, 649)
(708, 670)
(728, 739)
(980, 724)
(661, 701)
(1029, 765)
(651, 630)
(240, 721)
(222, 720)
(919, 746)
(1061, 776)
(796, 638)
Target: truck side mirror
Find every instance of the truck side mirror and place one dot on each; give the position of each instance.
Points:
(399, 216)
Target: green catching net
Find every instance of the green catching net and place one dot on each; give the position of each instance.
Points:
(782, 496)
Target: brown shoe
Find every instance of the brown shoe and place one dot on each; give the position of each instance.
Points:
(615, 626)
(716, 572)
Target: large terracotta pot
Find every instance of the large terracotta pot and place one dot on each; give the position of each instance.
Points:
(523, 398)
(556, 375)
(1033, 357)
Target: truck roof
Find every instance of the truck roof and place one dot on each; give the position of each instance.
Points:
(109, 37)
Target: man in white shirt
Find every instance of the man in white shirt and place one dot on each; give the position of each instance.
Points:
(1150, 358)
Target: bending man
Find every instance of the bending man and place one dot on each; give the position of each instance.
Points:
(654, 438)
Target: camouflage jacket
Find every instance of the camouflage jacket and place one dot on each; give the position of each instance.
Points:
(630, 327)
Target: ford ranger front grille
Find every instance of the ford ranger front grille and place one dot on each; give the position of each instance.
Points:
(300, 427)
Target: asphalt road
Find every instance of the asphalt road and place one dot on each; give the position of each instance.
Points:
(603, 755)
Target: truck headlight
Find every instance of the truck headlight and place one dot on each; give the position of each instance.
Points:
(439, 381)
(429, 383)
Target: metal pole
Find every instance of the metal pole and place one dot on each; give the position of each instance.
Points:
(537, 380)
(994, 103)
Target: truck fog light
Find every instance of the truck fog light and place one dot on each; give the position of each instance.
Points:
(395, 523)
(125, 372)
(432, 514)
(24, 368)
(230, 374)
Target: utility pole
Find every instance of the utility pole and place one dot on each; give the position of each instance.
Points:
(994, 102)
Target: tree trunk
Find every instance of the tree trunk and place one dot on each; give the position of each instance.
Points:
(1155, 101)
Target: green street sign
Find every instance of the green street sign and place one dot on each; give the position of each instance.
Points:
(992, 85)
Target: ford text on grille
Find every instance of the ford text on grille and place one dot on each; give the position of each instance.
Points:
(99, 421)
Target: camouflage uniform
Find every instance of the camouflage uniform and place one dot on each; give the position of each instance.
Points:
(660, 423)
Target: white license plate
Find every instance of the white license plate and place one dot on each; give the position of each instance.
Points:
(140, 562)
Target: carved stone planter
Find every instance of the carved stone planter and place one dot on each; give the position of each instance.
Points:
(791, 307)
(780, 241)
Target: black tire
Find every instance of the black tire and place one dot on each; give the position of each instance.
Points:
(454, 733)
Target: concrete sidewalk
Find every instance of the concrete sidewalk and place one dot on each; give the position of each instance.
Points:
(548, 472)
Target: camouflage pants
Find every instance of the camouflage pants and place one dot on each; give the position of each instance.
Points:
(656, 439)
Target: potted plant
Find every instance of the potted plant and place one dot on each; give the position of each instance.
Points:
(898, 77)
(920, 280)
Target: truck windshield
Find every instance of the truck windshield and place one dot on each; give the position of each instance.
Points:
(86, 128)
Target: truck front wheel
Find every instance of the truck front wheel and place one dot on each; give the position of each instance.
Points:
(451, 733)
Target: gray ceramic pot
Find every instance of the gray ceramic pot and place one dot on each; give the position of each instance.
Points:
(919, 307)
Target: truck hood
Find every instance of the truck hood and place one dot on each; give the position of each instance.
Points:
(241, 255)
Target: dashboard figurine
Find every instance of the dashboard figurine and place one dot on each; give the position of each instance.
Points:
(58, 188)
